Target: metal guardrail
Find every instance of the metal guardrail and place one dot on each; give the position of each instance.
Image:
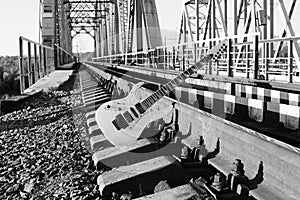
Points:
(63, 56)
(37, 61)
(253, 58)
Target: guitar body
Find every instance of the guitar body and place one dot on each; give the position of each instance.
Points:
(123, 121)
(107, 113)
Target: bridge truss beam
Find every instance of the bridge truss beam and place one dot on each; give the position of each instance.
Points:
(207, 19)
(129, 25)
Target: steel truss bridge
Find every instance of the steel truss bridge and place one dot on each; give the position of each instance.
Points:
(262, 44)
(263, 51)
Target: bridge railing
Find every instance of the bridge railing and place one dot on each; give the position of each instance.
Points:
(63, 56)
(37, 60)
(246, 57)
(285, 65)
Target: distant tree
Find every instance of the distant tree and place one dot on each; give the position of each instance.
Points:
(9, 73)
(1, 74)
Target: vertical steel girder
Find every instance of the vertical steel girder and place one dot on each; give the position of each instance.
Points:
(62, 32)
(127, 22)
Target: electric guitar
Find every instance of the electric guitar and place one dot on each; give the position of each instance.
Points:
(122, 121)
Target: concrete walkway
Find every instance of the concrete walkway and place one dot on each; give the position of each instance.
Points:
(53, 80)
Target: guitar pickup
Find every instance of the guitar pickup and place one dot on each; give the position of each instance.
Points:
(116, 125)
(128, 117)
(121, 121)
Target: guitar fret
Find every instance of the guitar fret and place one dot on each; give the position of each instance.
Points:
(177, 81)
(152, 99)
(163, 90)
(149, 103)
(160, 93)
(182, 75)
(173, 83)
(145, 105)
(187, 72)
(190, 71)
(169, 87)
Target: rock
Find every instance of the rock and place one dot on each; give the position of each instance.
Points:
(23, 195)
(162, 186)
(33, 148)
(28, 187)
(53, 172)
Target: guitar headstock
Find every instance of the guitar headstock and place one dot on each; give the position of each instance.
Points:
(217, 51)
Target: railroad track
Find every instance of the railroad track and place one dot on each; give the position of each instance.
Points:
(188, 169)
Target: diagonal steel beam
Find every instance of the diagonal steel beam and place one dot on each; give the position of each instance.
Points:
(285, 19)
(293, 4)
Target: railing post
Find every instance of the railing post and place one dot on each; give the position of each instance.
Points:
(40, 62)
(248, 61)
(266, 61)
(174, 58)
(290, 61)
(183, 58)
(29, 65)
(52, 58)
(60, 60)
(229, 57)
(56, 59)
(45, 61)
(156, 58)
(21, 66)
(35, 67)
(195, 51)
(256, 58)
(164, 58)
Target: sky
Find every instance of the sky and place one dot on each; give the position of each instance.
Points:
(17, 18)
(169, 19)
(21, 18)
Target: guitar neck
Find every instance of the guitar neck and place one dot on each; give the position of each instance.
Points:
(170, 86)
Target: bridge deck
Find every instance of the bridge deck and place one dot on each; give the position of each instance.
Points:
(280, 160)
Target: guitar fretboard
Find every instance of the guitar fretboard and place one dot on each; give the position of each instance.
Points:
(170, 86)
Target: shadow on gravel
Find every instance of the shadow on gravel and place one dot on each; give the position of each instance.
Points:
(70, 83)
